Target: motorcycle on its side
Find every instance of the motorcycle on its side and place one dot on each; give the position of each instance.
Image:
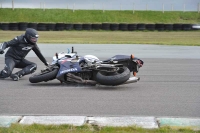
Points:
(69, 67)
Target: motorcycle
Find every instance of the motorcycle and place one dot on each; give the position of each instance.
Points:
(69, 67)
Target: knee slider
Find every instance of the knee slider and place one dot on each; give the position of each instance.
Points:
(33, 68)
(29, 69)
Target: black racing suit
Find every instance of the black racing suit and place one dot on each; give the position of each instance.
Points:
(14, 58)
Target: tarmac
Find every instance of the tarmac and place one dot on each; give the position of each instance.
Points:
(149, 122)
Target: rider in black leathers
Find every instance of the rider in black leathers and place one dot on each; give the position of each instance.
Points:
(20, 46)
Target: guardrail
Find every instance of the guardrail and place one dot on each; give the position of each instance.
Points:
(21, 26)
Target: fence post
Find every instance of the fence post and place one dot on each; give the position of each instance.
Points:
(163, 8)
(172, 7)
(198, 7)
(74, 7)
(12, 4)
(146, 7)
(103, 7)
(44, 6)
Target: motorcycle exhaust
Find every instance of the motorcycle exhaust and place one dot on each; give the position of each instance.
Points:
(74, 78)
(132, 80)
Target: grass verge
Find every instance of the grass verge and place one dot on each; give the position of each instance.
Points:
(96, 16)
(190, 38)
(37, 128)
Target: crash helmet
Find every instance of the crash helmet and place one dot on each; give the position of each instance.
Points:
(31, 35)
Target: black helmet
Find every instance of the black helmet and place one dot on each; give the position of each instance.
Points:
(31, 35)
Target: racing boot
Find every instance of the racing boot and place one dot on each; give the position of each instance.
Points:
(14, 77)
(1, 76)
(17, 75)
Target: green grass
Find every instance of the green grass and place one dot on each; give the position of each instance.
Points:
(96, 16)
(104, 37)
(190, 38)
(36, 128)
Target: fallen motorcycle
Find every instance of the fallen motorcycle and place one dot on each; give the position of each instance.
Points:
(69, 67)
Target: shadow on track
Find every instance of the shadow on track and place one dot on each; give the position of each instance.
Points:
(96, 87)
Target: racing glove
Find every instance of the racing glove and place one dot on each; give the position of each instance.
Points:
(46, 64)
(1, 51)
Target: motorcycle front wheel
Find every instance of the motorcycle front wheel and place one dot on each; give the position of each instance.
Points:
(117, 78)
(44, 76)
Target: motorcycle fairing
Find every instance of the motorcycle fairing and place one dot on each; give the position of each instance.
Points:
(118, 58)
(67, 66)
(125, 60)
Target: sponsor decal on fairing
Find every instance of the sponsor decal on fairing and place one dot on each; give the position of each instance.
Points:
(69, 70)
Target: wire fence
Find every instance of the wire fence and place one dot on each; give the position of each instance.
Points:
(150, 6)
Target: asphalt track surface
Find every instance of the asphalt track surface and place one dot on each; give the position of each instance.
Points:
(168, 87)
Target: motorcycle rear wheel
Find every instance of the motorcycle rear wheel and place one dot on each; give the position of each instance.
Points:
(44, 76)
(121, 76)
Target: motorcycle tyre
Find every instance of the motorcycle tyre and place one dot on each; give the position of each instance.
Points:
(113, 79)
(44, 77)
